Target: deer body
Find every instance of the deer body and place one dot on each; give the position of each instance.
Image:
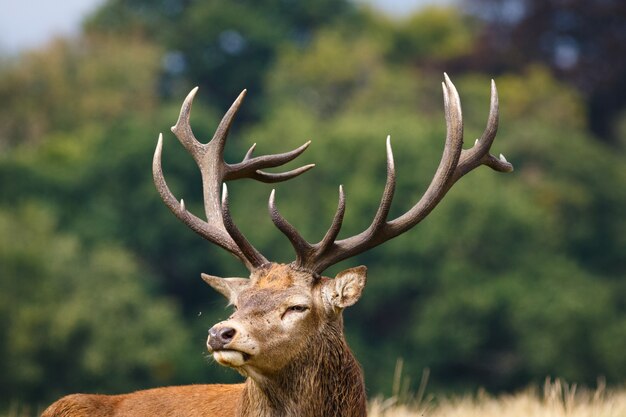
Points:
(286, 333)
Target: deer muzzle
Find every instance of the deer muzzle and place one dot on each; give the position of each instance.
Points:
(218, 343)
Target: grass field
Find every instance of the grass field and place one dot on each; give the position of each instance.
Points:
(556, 399)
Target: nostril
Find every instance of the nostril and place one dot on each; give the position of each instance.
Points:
(227, 334)
(220, 336)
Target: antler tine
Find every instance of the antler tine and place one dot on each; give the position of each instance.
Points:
(248, 167)
(182, 128)
(489, 134)
(301, 246)
(268, 177)
(390, 186)
(253, 258)
(221, 133)
(335, 226)
(248, 154)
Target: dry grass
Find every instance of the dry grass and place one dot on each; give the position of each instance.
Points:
(557, 399)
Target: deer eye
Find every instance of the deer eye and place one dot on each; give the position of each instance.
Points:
(298, 308)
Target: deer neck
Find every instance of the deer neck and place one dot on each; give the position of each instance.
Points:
(326, 380)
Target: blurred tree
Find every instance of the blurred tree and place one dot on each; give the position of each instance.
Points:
(434, 35)
(223, 46)
(581, 183)
(583, 43)
(304, 76)
(73, 83)
(79, 319)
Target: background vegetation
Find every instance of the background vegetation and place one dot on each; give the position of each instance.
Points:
(512, 278)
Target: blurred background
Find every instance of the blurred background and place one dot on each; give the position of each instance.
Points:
(511, 279)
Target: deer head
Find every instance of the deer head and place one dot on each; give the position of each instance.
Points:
(288, 316)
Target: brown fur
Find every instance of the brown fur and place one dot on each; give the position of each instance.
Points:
(324, 380)
(277, 277)
(186, 401)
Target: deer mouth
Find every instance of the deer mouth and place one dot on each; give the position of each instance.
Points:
(230, 357)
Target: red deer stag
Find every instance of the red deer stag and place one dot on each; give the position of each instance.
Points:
(286, 334)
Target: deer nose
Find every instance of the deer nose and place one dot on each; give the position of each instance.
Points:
(220, 336)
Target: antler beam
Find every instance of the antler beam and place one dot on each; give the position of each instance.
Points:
(455, 163)
(219, 228)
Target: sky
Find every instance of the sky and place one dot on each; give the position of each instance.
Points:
(28, 24)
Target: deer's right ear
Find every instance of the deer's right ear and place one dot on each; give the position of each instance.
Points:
(346, 288)
(228, 287)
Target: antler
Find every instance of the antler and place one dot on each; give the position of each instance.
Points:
(455, 163)
(209, 157)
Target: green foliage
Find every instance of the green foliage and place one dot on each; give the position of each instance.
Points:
(77, 318)
(223, 46)
(71, 84)
(435, 34)
(325, 76)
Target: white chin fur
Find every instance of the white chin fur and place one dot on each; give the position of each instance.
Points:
(229, 358)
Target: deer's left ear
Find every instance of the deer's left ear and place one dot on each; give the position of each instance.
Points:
(345, 289)
(228, 287)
